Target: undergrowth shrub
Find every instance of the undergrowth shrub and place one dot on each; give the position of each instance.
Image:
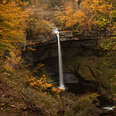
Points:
(43, 84)
(81, 105)
(41, 95)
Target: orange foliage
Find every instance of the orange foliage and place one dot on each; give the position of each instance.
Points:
(43, 85)
(12, 25)
(87, 16)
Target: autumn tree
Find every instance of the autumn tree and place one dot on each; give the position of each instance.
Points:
(92, 15)
(12, 28)
(109, 43)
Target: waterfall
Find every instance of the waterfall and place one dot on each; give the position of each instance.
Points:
(61, 81)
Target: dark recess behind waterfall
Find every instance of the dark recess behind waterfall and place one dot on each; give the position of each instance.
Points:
(45, 45)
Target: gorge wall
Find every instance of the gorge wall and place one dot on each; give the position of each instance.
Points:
(45, 47)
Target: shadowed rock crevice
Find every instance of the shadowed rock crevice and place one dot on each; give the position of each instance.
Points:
(70, 48)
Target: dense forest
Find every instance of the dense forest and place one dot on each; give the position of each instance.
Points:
(29, 75)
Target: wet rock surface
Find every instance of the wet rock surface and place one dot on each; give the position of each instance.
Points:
(46, 38)
(68, 78)
(48, 53)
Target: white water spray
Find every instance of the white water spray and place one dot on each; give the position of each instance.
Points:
(61, 82)
(108, 108)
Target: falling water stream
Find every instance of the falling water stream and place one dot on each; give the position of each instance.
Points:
(61, 82)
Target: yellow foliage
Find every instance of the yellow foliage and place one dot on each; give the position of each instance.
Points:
(12, 25)
(40, 84)
(57, 90)
(8, 67)
(13, 60)
(43, 85)
(4, 1)
(84, 17)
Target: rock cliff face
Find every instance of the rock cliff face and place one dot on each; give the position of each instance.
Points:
(45, 47)
(46, 38)
(80, 51)
(42, 48)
